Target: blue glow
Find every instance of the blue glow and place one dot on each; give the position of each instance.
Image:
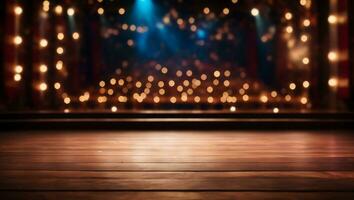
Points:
(201, 34)
(160, 26)
(143, 14)
(72, 24)
(144, 11)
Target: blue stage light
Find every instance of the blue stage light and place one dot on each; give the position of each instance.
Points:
(144, 11)
(201, 34)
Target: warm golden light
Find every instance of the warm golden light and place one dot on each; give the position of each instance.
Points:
(17, 40)
(71, 11)
(303, 2)
(264, 99)
(57, 86)
(60, 50)
(59, 65)
(245, 97)
(306, 61)
(46, 5)
(292, 86)
(332, 56)
(43, 87)
(206, 10)
(332, 19)
(17, 77)
(255, 12)
(333, 82)
(18, 69)
(76, 35)
(288, 16)
(226, 11)
(304, 100)
(18, 10)
(121, 11)
(58, 10)
(307, 22)
(114, 109)
(275, 110)
(43, 68)
(304, 38)
(306, 84)
(217, 74)
(60, 36)
(100, 11)
(67, 100)
(43, 43)
(289, 29)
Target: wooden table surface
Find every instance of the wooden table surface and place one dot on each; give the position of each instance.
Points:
(153, 165)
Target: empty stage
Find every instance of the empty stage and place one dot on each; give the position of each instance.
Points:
(155, 165)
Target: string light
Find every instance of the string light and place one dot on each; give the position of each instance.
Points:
(67, 100)
(17, 40)
(60, 36)
(46, 5)
(304, 100)
(306, 84)
(332, 56)
(59, 65)
(292, 86)
(288, 16)
(306, 60)
(333, 82)
(60, 50)
(275, 110)
(206, 10)
(43, 68)
(114, 109)
(17, 77)
(100, 11)
(58, 10)
(57, 86)
(182, 86)
(43, 43)
(18, 69)
(255, 12)
(307, 22)
(304, 38)
(76, 35)
(289, 29)
(226, 11)
(43, 87)
(18, 10)
(121, 11)
(332, 19)
(70, 11)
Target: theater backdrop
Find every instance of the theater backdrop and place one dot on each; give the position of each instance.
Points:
(226, 55)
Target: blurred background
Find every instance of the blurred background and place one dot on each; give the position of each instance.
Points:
(164, 55)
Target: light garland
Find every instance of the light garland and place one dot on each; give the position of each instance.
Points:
(190, 88)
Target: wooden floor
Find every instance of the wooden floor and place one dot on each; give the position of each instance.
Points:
(176, 165)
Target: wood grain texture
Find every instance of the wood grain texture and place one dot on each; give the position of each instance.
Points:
(176, 165)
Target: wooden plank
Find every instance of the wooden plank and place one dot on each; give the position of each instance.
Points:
(235, 184)
(200, 167)
(176, 195)
(169, 159)
(175, 175)
(176, 165)
(221, 181)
